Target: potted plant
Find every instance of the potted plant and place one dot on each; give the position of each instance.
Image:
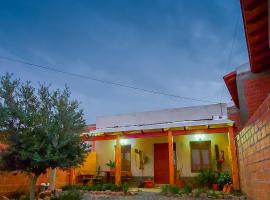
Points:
(206, 178)
(215, 186)
(111, 165)
(224, 179)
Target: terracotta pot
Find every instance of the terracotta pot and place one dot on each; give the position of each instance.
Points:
(179, 183)
(215, 186)
(148, 184)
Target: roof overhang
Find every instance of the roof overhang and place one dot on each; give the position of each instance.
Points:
(256, 21)
(230, 81)
(159, 130)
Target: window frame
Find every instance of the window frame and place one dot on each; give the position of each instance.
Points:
(200, 145)
(128, 146)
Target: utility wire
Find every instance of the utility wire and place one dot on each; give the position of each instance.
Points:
(231, 50)
(103, 81)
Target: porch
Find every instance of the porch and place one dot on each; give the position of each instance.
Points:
(166, 144)
(167, 154)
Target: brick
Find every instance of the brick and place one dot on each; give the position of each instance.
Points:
(254, 144)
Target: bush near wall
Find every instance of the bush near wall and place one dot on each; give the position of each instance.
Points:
(253, 143)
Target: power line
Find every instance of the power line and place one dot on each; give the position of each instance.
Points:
(103, 81)
(235, 32)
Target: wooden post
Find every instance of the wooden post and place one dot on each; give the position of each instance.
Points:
(171, 165)
(234, 164)
(118, 161)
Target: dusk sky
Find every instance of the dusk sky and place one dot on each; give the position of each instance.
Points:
(174, 46)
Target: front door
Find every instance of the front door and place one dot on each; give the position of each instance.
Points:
(161, 163)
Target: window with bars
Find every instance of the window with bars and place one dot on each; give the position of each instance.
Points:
(200, 155)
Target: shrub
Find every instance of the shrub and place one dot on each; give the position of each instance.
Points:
(223, 178)
(125, 187)
(108, 186)
(73, 187)
(70, 195)
(211, 193)
(187, 189)
(206, 178)
(174, 190)
(16, 195)
(165, 188)
(198, 191)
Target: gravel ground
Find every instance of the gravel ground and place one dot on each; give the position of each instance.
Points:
(140, 196)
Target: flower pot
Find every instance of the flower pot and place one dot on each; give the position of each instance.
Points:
(215, 186)
(148, 184)
(179, 183)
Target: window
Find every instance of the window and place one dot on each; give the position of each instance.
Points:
(200, 155)
(126, 158)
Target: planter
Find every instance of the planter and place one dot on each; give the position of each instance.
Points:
(215, 186)
(179, 183)
(148, 184)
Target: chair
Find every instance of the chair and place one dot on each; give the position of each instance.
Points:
(98, 178)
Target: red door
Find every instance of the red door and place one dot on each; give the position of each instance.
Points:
(161, 163)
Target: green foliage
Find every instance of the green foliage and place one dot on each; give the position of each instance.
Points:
(43, 128)
(69, 195)
(214, 194)
(174, 190)
(187, 189)
(206, 178)
(111, 164)
(109, 186)
(73, 187)
(170, 189)
(237, 193)
(125, 187)
(165, 188)
(16, 195)
(198, 191)
(98, 187)
(224, 178)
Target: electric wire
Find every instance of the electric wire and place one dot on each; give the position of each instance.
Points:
(48, 68)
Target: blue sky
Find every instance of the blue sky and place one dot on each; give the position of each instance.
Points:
(175, 46)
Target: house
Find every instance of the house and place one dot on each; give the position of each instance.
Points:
(249, 87)
(175, 142)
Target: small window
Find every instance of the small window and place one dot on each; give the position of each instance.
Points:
(200, 155)
(126, 158)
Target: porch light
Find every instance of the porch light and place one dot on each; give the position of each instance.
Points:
(123, 141)
(199, 137)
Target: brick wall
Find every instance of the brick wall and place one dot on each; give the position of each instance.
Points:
(10, 182)
(255, 92)
(234, 115)
(253, 143)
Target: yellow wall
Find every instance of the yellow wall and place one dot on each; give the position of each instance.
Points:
(89, 165)
(105, 152)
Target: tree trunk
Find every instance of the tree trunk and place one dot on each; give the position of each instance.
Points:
(32, 186)
(52, 179)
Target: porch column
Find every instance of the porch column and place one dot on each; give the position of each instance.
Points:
(171, 165)
(118, 161)
(234, 164)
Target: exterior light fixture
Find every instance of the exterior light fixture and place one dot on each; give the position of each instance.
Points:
(199, 137)
(123, 141)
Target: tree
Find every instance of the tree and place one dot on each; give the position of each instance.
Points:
(43, 129)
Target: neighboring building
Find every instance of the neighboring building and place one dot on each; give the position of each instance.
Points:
(249, 87)
(179, 141)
